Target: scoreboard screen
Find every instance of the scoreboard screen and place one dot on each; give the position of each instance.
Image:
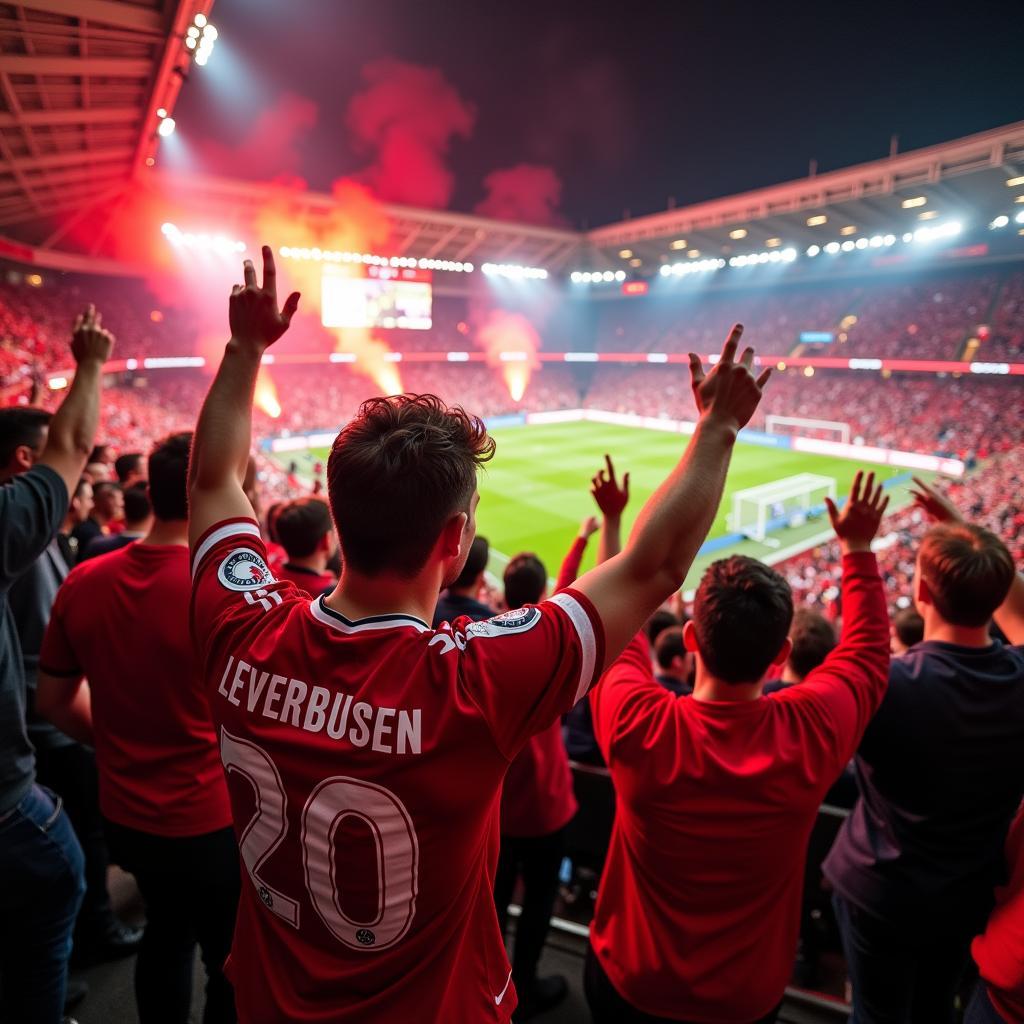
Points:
(371, 296)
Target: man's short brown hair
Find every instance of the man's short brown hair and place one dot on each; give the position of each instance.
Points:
(397, 473)
(302, 524)
(741, 615)
(968, 570)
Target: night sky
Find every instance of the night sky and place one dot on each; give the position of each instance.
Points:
(628, 103)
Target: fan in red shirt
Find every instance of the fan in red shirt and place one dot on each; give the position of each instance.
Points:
(121, 620)
(366, 751)
(307, 534)
(699, 905)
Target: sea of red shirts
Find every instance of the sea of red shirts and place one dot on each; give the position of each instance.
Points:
(365, 760)
(159, 767)
(699, 907)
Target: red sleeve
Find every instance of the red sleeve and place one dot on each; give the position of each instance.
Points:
(844, 692)
(571, 566)
(233, 587)
(527, 667)
(56, 656)
(626, 695)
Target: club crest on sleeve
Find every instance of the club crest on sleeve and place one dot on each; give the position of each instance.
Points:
(517, 621)
(244, 569)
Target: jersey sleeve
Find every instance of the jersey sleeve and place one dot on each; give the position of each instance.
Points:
(626, 697)
(526, 668)
(57, 655)
(233, 589)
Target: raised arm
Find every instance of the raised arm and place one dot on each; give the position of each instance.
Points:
(73, 427)
(673, 524)
(571, 563)
(611, 500)
(220, 449)
(1010, 614)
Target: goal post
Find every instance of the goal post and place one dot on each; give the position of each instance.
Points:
(786, 502)
(838, 430)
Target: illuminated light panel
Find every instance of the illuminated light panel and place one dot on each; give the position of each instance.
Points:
(513, 271)
(817, 220)
(636, 262)
(772, 243)
(693, 254)
(738, 233)
(928, 215)
(625, 253)
(913, 202)
(808, 371)
(1014, 182)
(679, 243)
(849, 229)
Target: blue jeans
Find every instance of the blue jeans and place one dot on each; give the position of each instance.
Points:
(980, 1009)
(902, 974)
(41, 889)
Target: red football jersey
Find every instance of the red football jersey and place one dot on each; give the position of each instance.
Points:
(122, 621)
(365, 762)
(308, 580)
(698, 910)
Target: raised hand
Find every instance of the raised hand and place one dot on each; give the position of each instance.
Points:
(611, 499)
(90, 341)
(252, 311)
(934, 503)
(589, 527)
(729, 393)
(861, 516)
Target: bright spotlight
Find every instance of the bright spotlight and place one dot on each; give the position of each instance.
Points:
(848, 246)
(620, 275)
(832, 248)
(813, 250)
(166, 127)
(908, 236)
(876, 241)
(608, 276)
(861, 243)
(211, 32)
(193, 32)
(200, 20)
(788, 255)
(1019, 218)
(1000, 222)
(664, 270)
(889, 240)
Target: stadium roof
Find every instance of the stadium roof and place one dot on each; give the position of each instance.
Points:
(80, 81)
(965, 179)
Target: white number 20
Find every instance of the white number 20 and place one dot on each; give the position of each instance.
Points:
(328, 805)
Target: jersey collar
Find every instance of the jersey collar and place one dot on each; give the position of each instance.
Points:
(329, 617)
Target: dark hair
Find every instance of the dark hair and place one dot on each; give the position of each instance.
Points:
(968, 570)
(21, 425)
(661, 620)
(525, 580)
(168, 476)
(909, 626)
(813, 640)
(136, 502)
(96, 455)
(741, 616)
(479, 552)
(272, 514)
(125, 465)
(102, 486)
(397, 473)
(669, 646)
(302, 524)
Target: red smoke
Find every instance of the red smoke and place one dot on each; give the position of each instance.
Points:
(526, 193)
(406, 117)
(511, 344)
(271, 146)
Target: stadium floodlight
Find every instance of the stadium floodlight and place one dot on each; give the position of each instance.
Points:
(813, 250)
(1015, 181)
(165, 127)
(1019, 218)
(199, 39)
(576, 277)
(664, 270)
(848, 245)
(876, 241)
(620, 275)
(908, 236)
(1000, 221)
(848, 229)
(817, 220)
(861, 243)
(914, 201)
(889, 240)
(788, 255)
(832, 248)
(738, 233)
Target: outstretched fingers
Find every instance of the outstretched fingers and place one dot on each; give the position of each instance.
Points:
(833, 512)
(249, 273)
(291, 306)
(731, 344)
(855, 489)
(269, 272)
(696, 370)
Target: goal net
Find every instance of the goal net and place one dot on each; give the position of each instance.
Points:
(756, 511)
(828, 430)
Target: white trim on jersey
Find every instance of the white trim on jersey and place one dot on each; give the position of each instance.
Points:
(585, 631)
(222, 533)
(337, 621)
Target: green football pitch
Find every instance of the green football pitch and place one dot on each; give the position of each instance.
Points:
(536, 491)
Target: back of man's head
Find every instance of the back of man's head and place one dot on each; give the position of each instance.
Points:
(908, 626)
(669, 646)
(397, 475)
(661, 620)
(137, 506)
(813, 639)
(105, 497)
(302, 525)
(968, 571)
(741, 617)
(479, 552)
(128, 467)
(168, 477)
(525, 580)
(21, 426)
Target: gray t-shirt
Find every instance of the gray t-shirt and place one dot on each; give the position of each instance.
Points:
(32, 507)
